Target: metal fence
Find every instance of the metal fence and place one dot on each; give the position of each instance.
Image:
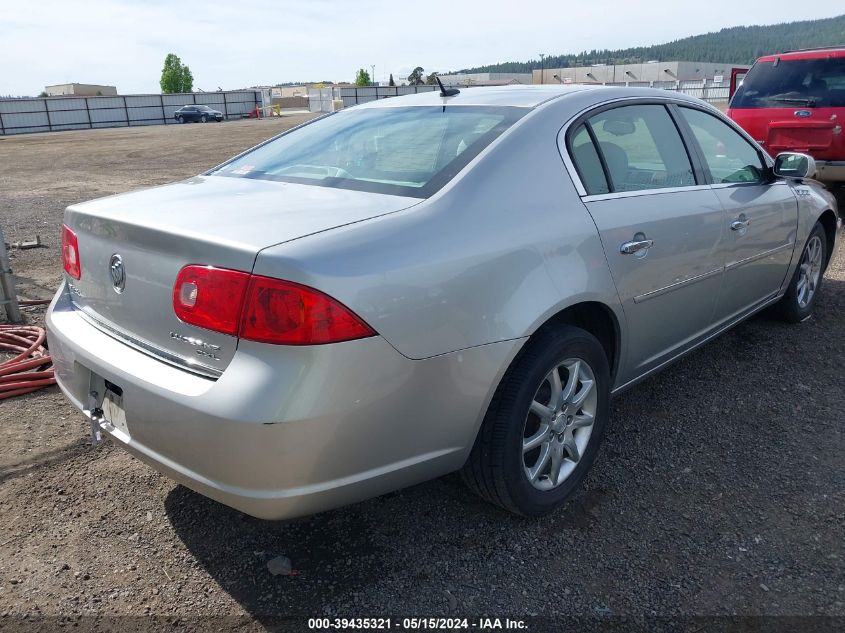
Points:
(320, 100)
(49, 114)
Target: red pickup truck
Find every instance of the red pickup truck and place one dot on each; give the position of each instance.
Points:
(795, 101)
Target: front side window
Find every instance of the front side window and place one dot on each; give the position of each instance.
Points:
(729, 157)
(409, 151)
(642, 148)
(793, 83)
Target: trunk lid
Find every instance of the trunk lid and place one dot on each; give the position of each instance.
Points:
(209, 220)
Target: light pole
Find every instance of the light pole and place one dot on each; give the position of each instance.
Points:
(373, 76)
(542, 68)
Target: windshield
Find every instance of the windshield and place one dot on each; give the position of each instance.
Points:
(801, 82)
(408, 151)
(204, 108)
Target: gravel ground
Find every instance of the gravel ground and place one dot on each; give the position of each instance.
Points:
(720, 489)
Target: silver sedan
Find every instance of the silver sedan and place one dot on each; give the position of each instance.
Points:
(426, 284)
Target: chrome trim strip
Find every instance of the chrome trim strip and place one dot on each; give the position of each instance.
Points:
(729, 185)
(684, 282)
(597, 197)
(748, 260)
(709, 337)
(149, 348)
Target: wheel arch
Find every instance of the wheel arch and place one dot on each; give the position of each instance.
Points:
(596, 318)
(828, 221)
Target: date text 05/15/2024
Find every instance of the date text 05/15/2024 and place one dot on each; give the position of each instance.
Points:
(416, 624)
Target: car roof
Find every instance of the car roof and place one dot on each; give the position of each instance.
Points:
(514, 95)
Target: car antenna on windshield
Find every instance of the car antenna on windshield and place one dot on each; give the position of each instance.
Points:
(446, 92)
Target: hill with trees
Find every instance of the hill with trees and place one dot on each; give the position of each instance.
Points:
(738, 45)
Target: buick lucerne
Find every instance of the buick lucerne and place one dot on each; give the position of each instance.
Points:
(454, 281)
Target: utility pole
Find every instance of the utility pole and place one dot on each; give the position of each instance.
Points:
(542, 68)
(373, 77)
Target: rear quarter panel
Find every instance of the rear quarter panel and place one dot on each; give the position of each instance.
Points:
(494, 254)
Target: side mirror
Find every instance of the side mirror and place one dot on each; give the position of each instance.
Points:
(794, 165)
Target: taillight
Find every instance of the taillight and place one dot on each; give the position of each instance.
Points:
(210, 297)
(70, 253)
(262, 309)
(286, 313)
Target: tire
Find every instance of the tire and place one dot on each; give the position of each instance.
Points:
(204, 118)
(179, 119)
(839, 193)
(796, 305)
(499, 466)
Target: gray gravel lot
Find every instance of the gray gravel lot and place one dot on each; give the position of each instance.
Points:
(720, 488)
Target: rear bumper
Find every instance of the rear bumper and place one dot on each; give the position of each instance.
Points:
(286, 431)
(832, 171)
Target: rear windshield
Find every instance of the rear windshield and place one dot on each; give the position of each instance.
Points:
(407, 151)
(814, 83)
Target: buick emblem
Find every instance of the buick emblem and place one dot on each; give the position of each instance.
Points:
(118, 274)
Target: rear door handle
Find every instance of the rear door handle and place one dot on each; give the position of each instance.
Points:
(740, 224)
(635, 246)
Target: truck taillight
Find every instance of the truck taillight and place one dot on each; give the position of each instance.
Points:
(70, 253)
(262, 309)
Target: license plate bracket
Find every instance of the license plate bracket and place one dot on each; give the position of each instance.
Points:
(113, 411)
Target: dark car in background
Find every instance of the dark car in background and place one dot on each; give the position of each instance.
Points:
(201, 113)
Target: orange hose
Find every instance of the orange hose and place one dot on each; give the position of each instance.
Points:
(16, 374)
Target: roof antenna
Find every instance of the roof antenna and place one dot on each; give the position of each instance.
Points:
(446, 92)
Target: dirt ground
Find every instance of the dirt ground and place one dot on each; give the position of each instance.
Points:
(720, 489)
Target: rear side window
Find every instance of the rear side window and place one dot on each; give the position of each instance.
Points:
(408, 151)
(789, 83)
(642, 148)
(588, 163)
(729, 157)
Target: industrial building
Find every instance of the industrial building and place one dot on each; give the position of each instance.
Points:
(485, 79)
(645, 73)
(283, 92)
(80, 90)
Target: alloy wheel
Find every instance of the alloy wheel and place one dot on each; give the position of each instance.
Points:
(559, 423)
(809, 271)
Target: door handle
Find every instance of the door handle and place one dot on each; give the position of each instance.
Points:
(740, 224)
(635, 246)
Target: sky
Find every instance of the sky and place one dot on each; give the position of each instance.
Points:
(240, 43)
